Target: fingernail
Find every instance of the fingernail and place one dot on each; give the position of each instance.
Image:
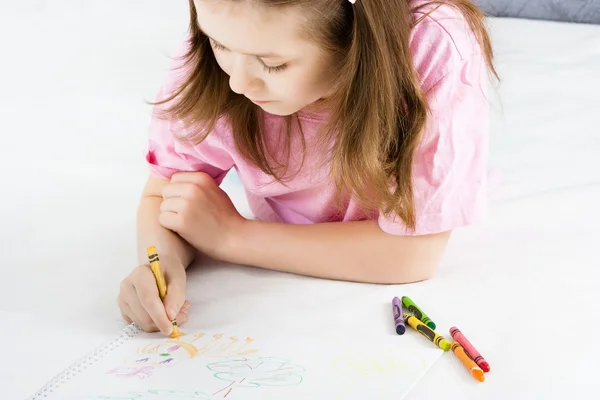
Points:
(172, 313)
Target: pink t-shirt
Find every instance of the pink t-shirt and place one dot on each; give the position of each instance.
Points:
(450, 165)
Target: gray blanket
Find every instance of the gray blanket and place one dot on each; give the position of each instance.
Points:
(586, 11)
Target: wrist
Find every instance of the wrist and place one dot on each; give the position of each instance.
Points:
(240, 242)
(172, 263)
(168, 263)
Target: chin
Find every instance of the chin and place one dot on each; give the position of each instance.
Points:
(279, 109)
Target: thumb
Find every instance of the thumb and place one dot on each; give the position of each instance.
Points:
(175, 297)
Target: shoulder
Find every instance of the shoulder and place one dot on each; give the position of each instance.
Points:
(440, 42)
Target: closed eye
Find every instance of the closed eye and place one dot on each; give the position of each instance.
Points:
(217, 46)
(268, 68)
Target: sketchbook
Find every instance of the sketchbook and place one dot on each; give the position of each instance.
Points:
(210, 365)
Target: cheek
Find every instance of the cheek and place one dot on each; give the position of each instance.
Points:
(291, 83)
(305, 86)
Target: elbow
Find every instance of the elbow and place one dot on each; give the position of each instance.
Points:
(421, 275)
(404, 274)
(416, 261)
(410, 268)
(424, 275)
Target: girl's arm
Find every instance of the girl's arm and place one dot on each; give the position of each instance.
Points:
(203, 214)
(139, 299)
(353, 251)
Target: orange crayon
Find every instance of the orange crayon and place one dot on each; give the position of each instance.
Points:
(469, 364)
(469, 349)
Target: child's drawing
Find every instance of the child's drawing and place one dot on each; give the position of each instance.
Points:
(363, 376)
(169, 352)
(157, 395)
(217, 367)
(221, 346)
(372, 368)
(255, 372)
(141, 372)
(149, 358)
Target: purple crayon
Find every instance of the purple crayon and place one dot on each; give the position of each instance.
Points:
(398, 316)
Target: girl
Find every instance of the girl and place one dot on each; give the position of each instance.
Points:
(359, 130)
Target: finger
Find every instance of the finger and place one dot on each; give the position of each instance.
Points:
(125, 312)
(150, 301)
(140, 317)
(152, 312)
(182, 318)
(175, 298)
(126, 318)
(171, 220)
(173, 204)
(187, 190)
(126, 290)
(197, 178)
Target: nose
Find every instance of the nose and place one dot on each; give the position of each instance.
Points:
(241, 79)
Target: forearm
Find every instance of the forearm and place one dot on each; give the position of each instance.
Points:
(172, 248)
(352, 251)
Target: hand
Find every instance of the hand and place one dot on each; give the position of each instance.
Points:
(200, 212)
(140, 301)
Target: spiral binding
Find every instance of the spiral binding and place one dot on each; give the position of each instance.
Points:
(126, 333)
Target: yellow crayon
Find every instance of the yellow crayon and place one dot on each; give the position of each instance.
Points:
(160, 282)
(426, 331)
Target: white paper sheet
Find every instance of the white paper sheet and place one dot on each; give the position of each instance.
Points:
(214, 365)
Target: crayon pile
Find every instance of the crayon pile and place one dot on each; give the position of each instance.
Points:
(420, 322)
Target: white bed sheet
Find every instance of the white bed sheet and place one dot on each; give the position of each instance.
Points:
(523, 286)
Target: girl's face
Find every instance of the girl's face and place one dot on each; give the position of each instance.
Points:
(265, 54)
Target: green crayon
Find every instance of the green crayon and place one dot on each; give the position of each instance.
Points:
(417, 312)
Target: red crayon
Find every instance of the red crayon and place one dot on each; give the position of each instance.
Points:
(469, 349)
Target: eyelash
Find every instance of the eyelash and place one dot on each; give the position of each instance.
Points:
(270, 70)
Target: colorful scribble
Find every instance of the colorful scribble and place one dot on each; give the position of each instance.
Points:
(154, 356)
(256, 372)
(220, 347)
(132, 372)
(171, 352)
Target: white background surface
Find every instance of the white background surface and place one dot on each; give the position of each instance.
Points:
(523, 286)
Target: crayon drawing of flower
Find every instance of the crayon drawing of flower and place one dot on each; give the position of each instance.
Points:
(255, 372)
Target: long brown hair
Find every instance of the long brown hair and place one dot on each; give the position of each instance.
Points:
(378, 109)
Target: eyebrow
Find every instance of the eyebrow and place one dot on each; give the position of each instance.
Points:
(263, 55)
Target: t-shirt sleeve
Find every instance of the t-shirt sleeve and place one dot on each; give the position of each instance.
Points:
(166, 151)
(450, 165)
